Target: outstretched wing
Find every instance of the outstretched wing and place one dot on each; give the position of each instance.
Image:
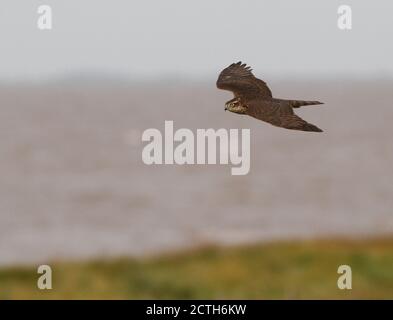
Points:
(265, 91)
(278, 113)
(294, 122)
(243, 78)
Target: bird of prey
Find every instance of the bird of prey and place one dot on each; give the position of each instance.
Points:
(254, 98)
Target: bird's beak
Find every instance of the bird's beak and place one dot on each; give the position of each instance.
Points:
(225, 109)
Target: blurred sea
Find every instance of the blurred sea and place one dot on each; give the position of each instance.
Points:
(73, 184)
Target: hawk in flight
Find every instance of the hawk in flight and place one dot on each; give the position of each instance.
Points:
(254, 98)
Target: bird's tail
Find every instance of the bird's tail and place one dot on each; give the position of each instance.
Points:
(299, 103)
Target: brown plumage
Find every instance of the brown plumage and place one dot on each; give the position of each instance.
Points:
(254, 98)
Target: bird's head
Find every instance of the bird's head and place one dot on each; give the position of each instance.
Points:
(236, 107)
(232, 76)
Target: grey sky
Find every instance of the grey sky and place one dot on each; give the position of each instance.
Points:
(158, 38)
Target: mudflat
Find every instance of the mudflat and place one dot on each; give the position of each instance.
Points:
(73, 184)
